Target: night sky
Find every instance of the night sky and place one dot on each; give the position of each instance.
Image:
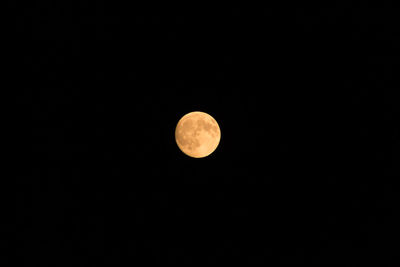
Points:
(308, 162)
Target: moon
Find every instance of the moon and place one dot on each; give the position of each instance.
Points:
(197, 134)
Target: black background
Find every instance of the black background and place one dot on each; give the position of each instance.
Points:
(307, 165)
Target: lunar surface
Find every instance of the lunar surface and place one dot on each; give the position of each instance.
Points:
(197, 134)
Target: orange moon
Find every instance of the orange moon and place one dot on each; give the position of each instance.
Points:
(197, 134)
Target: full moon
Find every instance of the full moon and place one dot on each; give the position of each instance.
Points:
(197, 134)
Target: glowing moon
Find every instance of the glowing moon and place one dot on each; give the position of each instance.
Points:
(197, 134)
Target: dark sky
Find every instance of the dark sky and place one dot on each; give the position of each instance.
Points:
(308, 160)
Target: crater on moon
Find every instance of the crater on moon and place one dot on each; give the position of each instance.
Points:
(197, 134)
